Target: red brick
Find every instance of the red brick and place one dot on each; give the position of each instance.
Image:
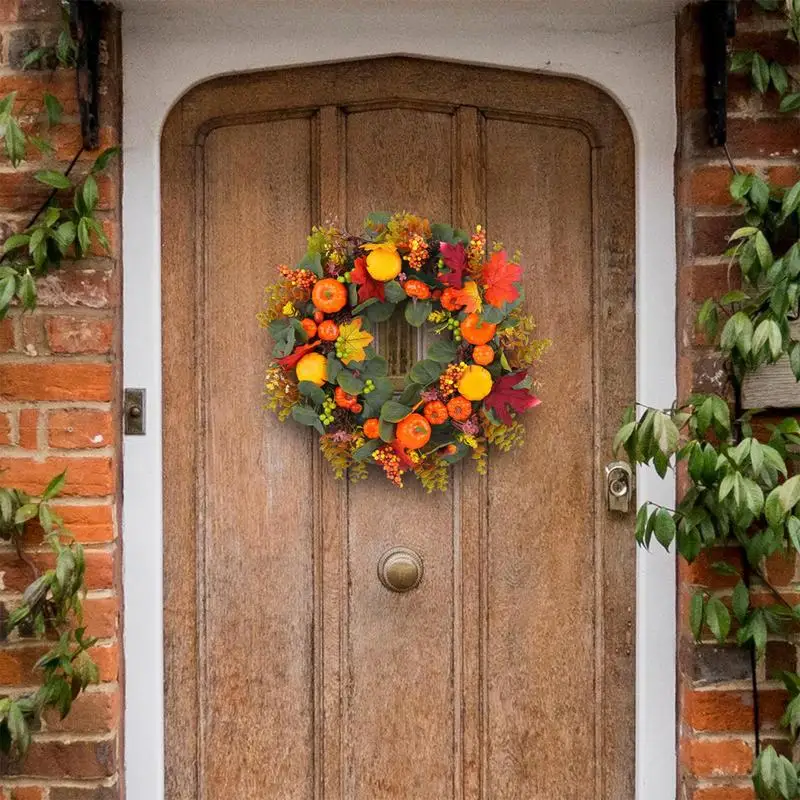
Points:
(88, 524)
(55, 381)
(101, 616)
(710, 234)
(28, 428)
(7, 339)
(5, 429)
(15, 573)
(86, 477)
(730, 711)
(74, 759)
(85, 792)
(89, 288)
(17, 665)
(764, 138)
(21, 793)
(92, 712)
(723, 793)
(31, 86)
(709, 186)
(80, 428)
(707, 758)
(107, 659)
(784, 175)
(67, 141)
(79, 334)
(700, 572)
(709, 280)
(781, 568)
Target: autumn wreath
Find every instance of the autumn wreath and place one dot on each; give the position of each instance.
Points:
(467, 392)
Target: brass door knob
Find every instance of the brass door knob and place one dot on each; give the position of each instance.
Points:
(400, 569)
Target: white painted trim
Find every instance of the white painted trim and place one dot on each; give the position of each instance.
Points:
(165, 53)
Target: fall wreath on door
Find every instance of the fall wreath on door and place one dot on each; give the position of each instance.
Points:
(465, 395)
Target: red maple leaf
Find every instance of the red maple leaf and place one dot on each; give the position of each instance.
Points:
(509, 395)
(455, 259)
(290, 361)
(367, 285)
(499, 277)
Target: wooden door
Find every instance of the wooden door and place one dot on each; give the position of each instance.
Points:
(291, 673)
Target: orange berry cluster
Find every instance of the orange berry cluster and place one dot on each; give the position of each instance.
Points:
(390, 463)
(302, 278)
(448, 381)
(417, 252)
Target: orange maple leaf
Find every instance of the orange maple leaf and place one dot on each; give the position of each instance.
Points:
(499, 278)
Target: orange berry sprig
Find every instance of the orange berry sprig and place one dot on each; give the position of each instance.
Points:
(448, 380)
(390, 463)
(476, 250)
(302, 278)
(417, 252)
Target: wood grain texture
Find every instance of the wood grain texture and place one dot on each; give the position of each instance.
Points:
(291, 672)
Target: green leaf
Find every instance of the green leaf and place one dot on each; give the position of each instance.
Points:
(55, 486)
(664, 528)
(665, 433)
(426, 372)
(14, 141)
(26, 291)
(89, 193)
(64, 235)
(15, 241)
(768, 335)
(794, 359)
(349, 382)
(307, 416)
(363, 306)
(313, 392)
(55, 179)
(763, 250)
(34, 56)
(442, 351)
(789, 493)
(26, 512)
(394, 292)
(18, 727)
(718, 619)
(623, 435)
(54, 109)
(102, 161)
(367, 449)
(386, 430)
(380, 312)
(83, 234)
(774, 776)
(394, 412)
(759, 72)
(697, 614)
(791, 102)
(416, 312)
(740, 601)
(780, 80)
(759, 194)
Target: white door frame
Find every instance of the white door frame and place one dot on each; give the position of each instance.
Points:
(167, 50)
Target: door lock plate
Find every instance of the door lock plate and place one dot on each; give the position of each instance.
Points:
(133, 412)
(619, 486)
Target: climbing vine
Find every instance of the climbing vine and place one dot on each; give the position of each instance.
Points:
(65, 227)
(743, 491)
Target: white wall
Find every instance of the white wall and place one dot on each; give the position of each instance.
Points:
(169, 48)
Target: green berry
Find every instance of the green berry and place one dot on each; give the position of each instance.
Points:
(341, 279)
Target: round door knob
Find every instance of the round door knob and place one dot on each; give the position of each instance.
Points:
(400, 569)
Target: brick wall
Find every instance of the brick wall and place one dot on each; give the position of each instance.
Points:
(715, 700)
(59, 375)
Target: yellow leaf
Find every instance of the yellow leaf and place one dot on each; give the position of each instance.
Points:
(352, 341)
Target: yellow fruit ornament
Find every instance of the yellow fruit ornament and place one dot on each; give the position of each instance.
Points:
(312, 367)
(383, 262)
(475, 383)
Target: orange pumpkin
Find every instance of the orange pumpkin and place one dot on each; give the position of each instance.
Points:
(372, 428)
(417, 289)
(435, 412)
(459, 408)
(475, 330)
(309, 326)
(483, 354)
(328, 331)
(413, 431)
(329, 295)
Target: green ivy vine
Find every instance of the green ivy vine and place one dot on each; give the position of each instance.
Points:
(743, 494)
(65, 227)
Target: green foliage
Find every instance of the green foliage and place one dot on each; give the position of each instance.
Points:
(51, 605)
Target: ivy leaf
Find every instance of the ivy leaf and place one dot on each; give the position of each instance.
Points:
(352, 341)
(759, 72)
(51, 178)
(791, 102)
(664, 528)
(740, 601)
(718, 619)
(499, 278)
(697, 614)
(506, 396)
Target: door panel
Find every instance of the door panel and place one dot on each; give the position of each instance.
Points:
(290, 671)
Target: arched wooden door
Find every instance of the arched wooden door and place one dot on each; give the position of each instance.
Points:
(291, 673)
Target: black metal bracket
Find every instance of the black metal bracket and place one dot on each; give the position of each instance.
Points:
(86, 19)
(718, 21)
